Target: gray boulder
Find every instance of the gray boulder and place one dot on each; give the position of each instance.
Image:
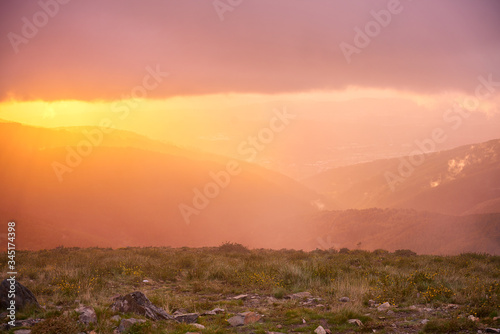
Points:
(137, 302)
(23, 296)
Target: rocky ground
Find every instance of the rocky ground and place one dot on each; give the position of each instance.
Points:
(260, 297)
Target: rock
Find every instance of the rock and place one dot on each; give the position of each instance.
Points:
(383, 307)
(244, 319)
(23, 296)
(116, 318)
(496, 318)
(355, 322)
(492, 330)
(21, 323)
(237, 320)
(180, 311)
(301, 295)
(23, 331)
(303, 321)
(473, 318)
(127, 323)
(451, 306)
(214, 311)
(424, 322)
(390, 312)
(250, 317)
(137, 302)
(87, 315)
(344, 299)
(320, 330)
(187, 318)
(240, 297)
(371, 303)
(199, 326)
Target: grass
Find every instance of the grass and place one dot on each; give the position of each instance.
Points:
(197, 280)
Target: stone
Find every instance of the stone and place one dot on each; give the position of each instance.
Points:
(180, 311)
(127, 323)
(250, 317)
(383, 307)
(424, 321)
(344, 299)
(355, 322)
(116, 318)
(23, 331)
(237, 320)
(23, 296)
(301, 295)
(87, 315)
(199, 326)
(320, 330)
(137, 302)
(371, 303)
(20, 323)
(187, 318)
(240, 297)
(390, 312)
(473, 318)
(214, 311)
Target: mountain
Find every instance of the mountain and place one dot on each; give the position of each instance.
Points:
(454, 182)
(392, 229)
(128, 190)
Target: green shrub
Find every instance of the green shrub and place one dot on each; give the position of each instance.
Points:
(230, 247)
(404, 252)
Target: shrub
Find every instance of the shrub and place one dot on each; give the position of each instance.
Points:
(344, 251)
(404, 252)
(230, 247)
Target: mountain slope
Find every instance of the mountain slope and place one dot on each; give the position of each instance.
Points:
(449, 182)
(124, 196)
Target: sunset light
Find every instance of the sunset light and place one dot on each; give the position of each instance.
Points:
(250, 166)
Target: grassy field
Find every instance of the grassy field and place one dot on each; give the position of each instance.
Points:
(443, 290)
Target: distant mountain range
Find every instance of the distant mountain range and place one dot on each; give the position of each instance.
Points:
(74, 187)
(122, 194)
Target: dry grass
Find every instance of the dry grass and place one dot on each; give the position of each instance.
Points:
(200, 279)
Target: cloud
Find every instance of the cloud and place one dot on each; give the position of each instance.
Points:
(99, 50)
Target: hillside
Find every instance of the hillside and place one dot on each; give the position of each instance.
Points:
(127, 196)
(134, 191)
(449, 182)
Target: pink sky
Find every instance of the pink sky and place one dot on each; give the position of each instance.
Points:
(99, 49)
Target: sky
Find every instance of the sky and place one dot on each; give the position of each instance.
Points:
(351, 81)
(75, 57)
